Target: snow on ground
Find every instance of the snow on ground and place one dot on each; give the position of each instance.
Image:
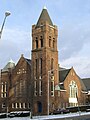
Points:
(49, 116)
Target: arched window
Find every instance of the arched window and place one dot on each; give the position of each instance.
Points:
(53, 42)
(36, 67)
(36, 42)
(40, 66)
(52, 88)
(41, 40)
(35, 88)
(49, 41)
(40, 88)
(73, 90)
(73, 93)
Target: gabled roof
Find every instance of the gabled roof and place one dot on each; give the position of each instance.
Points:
(44, 16)
(10, 64)
(63, 74)
(25, 59)
(86, 82)
(28, 61)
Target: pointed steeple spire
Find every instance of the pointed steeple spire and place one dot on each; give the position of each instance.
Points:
(44, 16)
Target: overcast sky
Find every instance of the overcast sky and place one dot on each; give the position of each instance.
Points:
(72, 18)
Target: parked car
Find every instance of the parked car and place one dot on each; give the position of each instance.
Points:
(3, 115)
(87, 110)
(60, 111)
(19, 114)
(12, 114)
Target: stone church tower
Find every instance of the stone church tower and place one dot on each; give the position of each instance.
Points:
(44, 65)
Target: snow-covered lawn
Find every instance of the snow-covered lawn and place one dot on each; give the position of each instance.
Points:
(49, 116)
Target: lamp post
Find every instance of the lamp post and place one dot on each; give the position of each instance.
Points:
(49, 73)
(7, 13)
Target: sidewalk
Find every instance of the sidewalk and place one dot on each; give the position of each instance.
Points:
(76, 116)
(62, 116)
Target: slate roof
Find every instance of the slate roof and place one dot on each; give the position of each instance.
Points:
(28, 61)
(44, 16)
(63, 74)
(86, 82)
(10, 64)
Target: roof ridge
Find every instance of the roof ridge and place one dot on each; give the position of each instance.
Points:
(63, 74)
(65, 69)
(85, 78)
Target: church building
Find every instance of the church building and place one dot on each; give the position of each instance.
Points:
(40, 84)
